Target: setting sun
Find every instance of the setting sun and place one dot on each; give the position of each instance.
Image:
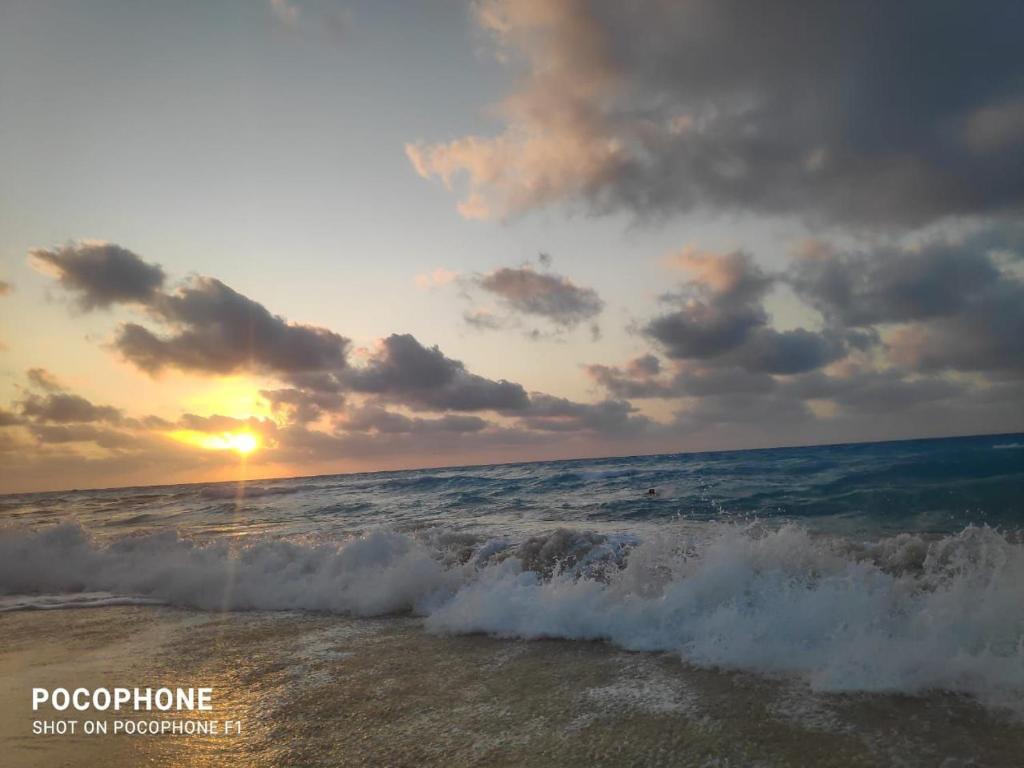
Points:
(242, 443)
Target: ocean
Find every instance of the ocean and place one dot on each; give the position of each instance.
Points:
(832, 605)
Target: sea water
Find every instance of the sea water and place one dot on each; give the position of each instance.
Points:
(871, 570)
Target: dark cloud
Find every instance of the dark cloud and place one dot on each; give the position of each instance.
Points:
(953, 304)
(996, 129)
(315, 381)
(703, 330)
(721, 319)
(645, 365)
(375, 418)
(554, 297)
(637, 380)
(482, 320)
(405, 371)
(785, 352)
(207, 326)
(302, 405)
(101, 274)
(874, 392)
(214, 329)
(703, 382)
(64, 407)
(765, 411)
(987, 336)
(860, 113)
(43, 379)
(891, 285)
(764, 404)
(407, 448)
(58, 434)
(9, 419)
(557, 414)
(718, 309)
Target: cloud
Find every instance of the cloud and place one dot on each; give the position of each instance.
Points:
(785, 352)
(638, 380)
(701, 330)
(641, 378)
(718, 309)
(859, 114)
(63, 407)
(557, 414)
(58, 434)
(553, 297)
(763, 411)
(996, 129)
(43, 379)
(9, 419)
(482, 320)
(377, 419)
(208, 327)
(218, 424)
(403, 370)
(895, 320)
(951, 303)
(100, 274)
(405, 448)
(720, 319)
(891, 285)
(865, 391)
(214, 329)
(439, 277)
(302, 405)
(733, 277)
(986, 336)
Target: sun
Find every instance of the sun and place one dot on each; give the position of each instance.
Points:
(242, 443)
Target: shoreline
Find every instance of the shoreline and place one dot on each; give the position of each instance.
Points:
(313, 689)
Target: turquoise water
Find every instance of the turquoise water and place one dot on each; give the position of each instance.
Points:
(933, 486)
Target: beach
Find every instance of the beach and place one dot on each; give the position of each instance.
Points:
(318, 690)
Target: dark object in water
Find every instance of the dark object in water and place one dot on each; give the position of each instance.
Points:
(652, 492)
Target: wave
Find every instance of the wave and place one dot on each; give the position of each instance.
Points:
(10, 603)
(247, 490)
(907, 614)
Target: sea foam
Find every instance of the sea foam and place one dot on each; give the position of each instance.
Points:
(907, 614)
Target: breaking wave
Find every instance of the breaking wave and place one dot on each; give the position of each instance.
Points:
(910, 613)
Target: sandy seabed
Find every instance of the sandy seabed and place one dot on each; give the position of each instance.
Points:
(308, 690)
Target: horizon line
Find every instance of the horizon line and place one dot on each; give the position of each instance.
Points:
(511, 463)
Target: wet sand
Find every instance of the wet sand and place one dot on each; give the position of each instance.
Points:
(322, 690)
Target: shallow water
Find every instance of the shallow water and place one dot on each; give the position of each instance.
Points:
(324, 690)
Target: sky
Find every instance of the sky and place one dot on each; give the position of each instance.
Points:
(294, 237)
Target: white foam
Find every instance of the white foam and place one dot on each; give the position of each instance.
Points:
(72, 600)
(905, 614)
(379, 573)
